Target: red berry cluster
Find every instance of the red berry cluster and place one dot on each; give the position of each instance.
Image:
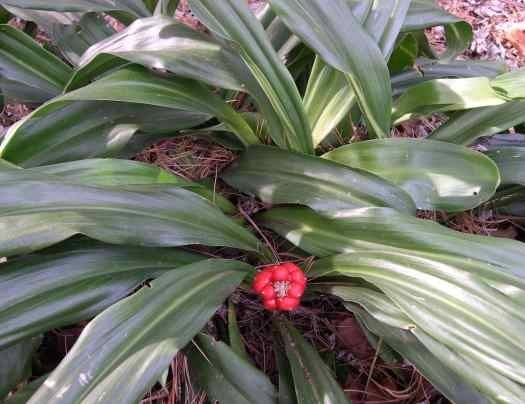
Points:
(280, 286)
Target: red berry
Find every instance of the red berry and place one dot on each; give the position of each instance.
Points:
(291, 267)
(287, 303)
(270, 304)
(261, 280)
(299, 277)
(280, 274)
(296, 290)
(268, 292)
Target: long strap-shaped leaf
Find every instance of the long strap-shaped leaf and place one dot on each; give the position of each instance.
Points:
(382, 229)
(150, 215)
(446, 95)
(120, 173)
(465, 127)
(459, 304)
(337, 36)
(279, 176)
(138, 85)
(77, 130)
(124, 350)
(437, 175)
(39, 73)
(329, 96)
(73, 282)
(135, 7)
(233, 20)
(313, 380)
(226, 376)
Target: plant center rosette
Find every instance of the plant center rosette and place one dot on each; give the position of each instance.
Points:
(280, 286)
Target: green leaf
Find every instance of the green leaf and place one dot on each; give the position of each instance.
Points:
(15, 364)
(428, 69)
(135, 7)
(445, 95)
(74, 39)
(75, 130)
(115, 173)
(278, 176)
(74, 282)
(328, 99)
(23, 395)
(404, 55)
(149, 215)
(39, 73)
(425, 14)
(383, 229)
(468, 307)
(509, 201)
(465, 127)
(232, 20)
(226, 376)
(459, 36)
(234, 334)
(437, 175)
(125, 349)
(510, 85)
(417, 354)
(166, 7)
(171, 45)
(511, 163)
(286, 384)
(314, 383)
(337, 36)
(138, 85)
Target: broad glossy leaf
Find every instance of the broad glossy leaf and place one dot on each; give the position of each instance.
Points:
(23, 61)
(226, 376)
(465, 127)
(115, 173)
(125, 349)
(277, 176)
(510, 85)
(314, 383)
(511, 163)
(163, 43)
(437, 175)
(328, 99)
(428, 69)
(383, 229)
(135, 7)
(136, 84)
(337, 36)
(75, 130)
(15, 363)
(329, 96)
(425, 14)
(446, 95)
(74, 39)
(415, 352)
(149, 215)
(74, 282)
(232, 20)
(457, 304)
